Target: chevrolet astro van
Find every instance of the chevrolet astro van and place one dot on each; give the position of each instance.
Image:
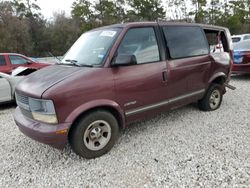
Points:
(118, 74)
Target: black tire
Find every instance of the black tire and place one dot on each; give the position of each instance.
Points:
(206, 103)
(80, 137)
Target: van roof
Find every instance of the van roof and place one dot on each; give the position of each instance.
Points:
(122, 25)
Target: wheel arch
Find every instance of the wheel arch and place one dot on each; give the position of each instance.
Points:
(218, 78)
(106, 105)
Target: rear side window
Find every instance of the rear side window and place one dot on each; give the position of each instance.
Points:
(217, 40)
(17, 60)
(2, 60)
(185, 41)
(246, 37)
(142, 43)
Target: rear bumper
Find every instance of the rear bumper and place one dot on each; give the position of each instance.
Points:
(241, 69)
(53, 135)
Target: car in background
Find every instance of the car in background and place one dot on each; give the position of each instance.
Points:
(241, 62)
(7, 87)
(239, 38)
(10, 61)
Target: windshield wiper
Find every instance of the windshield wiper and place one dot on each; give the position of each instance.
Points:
(75, 62)
(58, 60)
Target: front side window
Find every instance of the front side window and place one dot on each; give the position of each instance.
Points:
(236, 39)
(142, 43)
(185, 41)
(91, 48)
(2, 60)
(17, 60)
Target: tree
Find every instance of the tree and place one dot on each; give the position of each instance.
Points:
(29, 11)
(14, 32)
(199, 12)
(177, 9)
(82, 12)
(62, 33)
(108, 12)
(26, 8)
(150, 10)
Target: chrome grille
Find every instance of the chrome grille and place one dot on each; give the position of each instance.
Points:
(22, 101)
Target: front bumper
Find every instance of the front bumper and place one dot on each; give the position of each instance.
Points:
(53, 135)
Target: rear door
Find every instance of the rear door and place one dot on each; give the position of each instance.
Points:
(189, 62)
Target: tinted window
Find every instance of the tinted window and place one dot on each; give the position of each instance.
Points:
(142, 43)
(17, 60)
(246, 37)
(185, 41)
(2, 60)
(236, 39)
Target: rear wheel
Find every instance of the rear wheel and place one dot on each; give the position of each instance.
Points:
(94, 135)
(212, 99)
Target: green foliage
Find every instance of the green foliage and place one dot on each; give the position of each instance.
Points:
(62, 39)
(150, 10)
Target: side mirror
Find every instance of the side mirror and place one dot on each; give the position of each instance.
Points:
(124, 60)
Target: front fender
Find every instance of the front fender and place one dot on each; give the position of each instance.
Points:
(95, 104)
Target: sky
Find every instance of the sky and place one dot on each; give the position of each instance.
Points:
(50, 6)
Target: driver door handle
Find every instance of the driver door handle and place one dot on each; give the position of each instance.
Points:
(164, 76)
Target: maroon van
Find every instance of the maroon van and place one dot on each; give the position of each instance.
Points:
(117, 74)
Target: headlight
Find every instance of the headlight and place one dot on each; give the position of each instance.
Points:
(43, 110)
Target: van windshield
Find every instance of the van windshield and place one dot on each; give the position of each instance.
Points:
(91, 48)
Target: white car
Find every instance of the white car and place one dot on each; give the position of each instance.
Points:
(239, 38)
(7, 86)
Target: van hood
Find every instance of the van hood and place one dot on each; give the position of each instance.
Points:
(38, 82)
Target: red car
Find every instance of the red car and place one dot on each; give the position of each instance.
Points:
(122, 73)
(241, 54)
(10, 61)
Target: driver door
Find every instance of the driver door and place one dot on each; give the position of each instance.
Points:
(141, 85)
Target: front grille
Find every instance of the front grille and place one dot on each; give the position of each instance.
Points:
(26, 113)
(22, 101)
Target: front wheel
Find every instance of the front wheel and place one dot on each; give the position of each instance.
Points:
(212, 99)
(94, 134)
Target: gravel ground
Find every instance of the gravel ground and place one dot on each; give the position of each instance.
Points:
(182, 148)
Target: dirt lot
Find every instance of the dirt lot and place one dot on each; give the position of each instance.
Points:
(185, 147)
